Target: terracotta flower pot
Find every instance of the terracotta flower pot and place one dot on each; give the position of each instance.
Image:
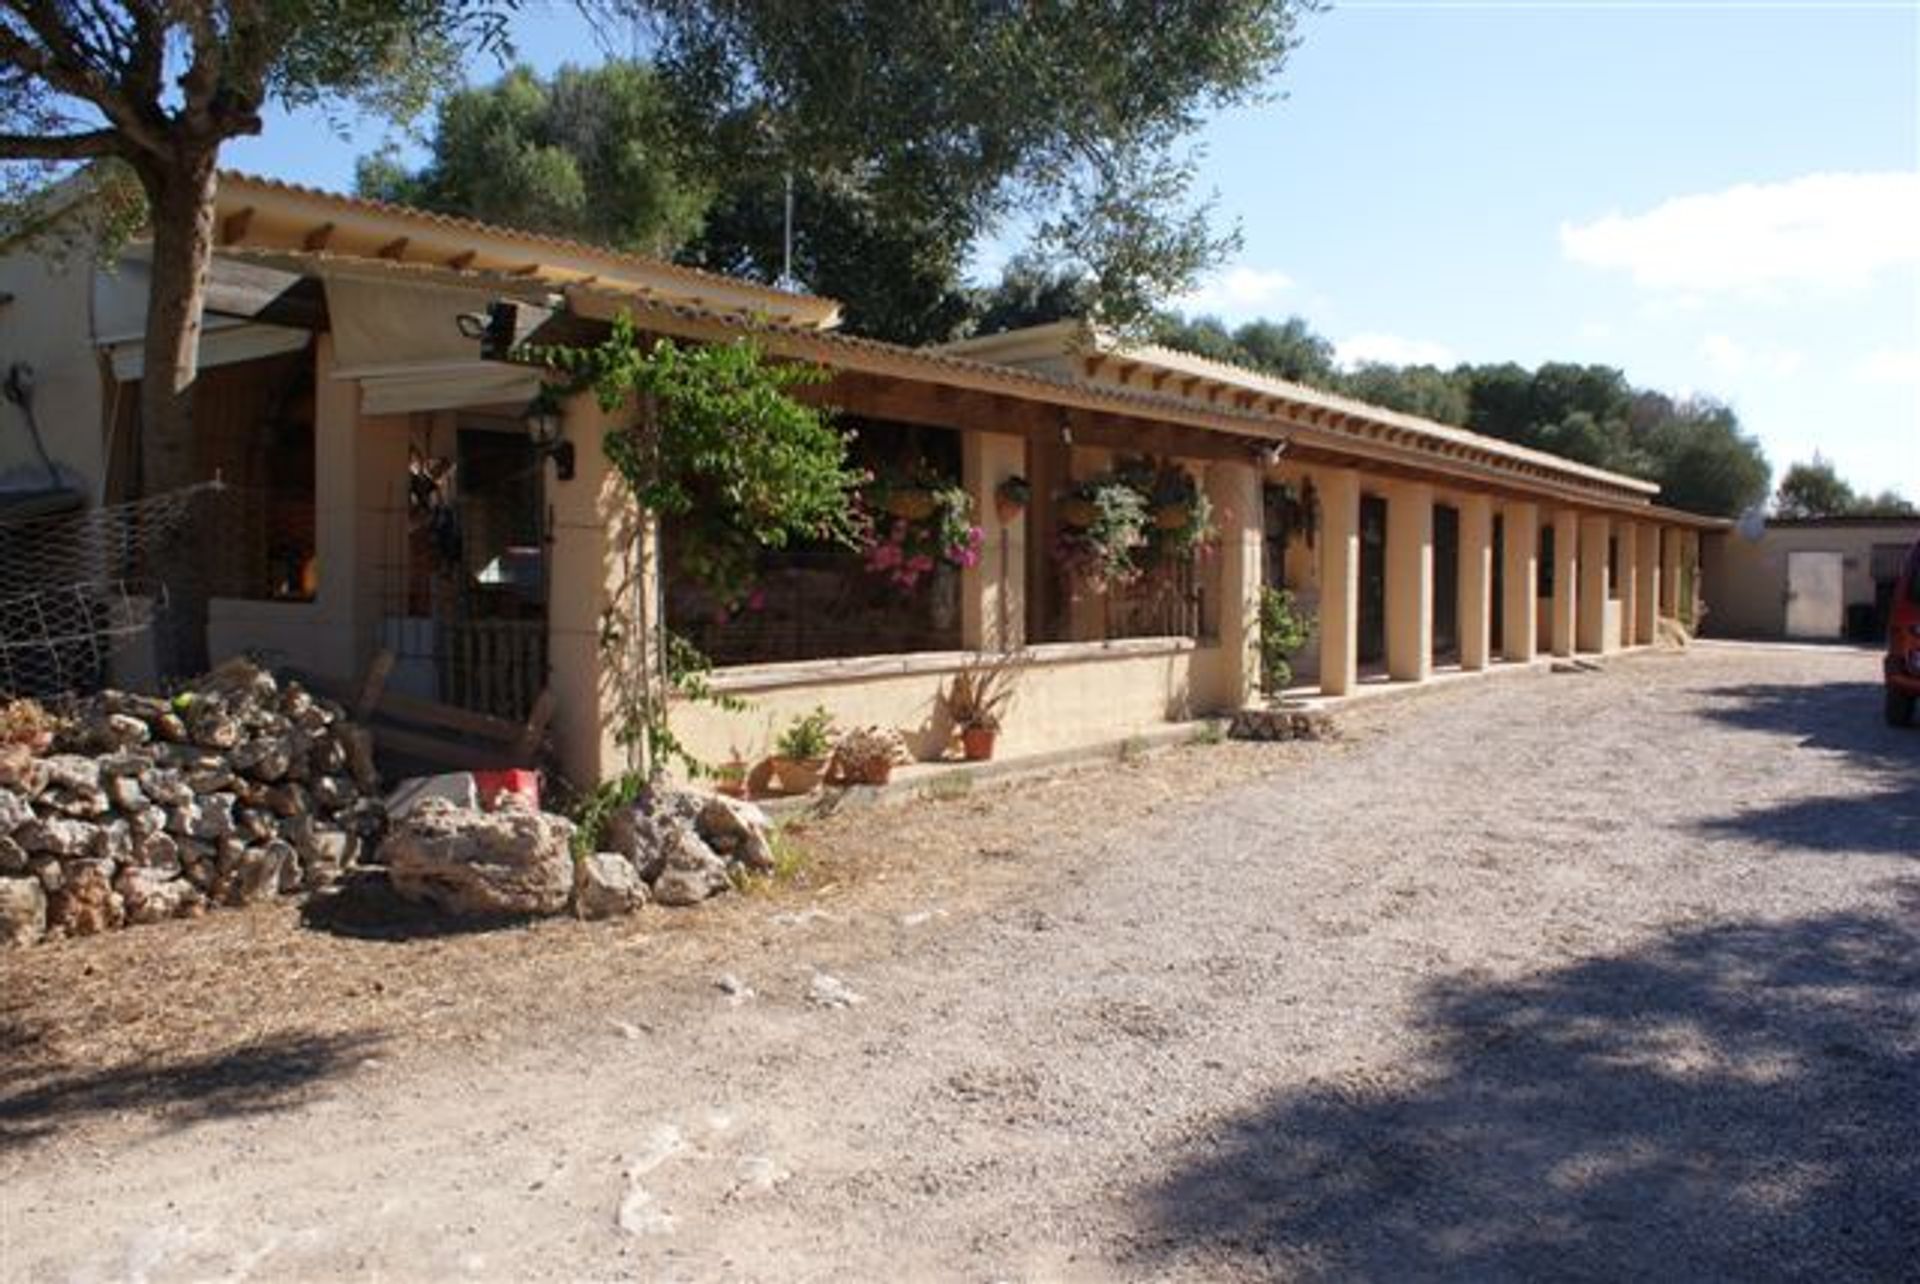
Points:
(1008, 511)
(876, 773)
(799, 775)
(976, 743)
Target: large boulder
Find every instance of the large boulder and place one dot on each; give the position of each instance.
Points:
(513, 861)
(23, 911)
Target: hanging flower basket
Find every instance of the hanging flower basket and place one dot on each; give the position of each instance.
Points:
(906, 549)
(1010, 499)
(912, 504)
(1100, 552)
(1079, 513)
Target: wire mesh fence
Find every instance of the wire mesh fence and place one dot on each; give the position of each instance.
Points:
(76, 588)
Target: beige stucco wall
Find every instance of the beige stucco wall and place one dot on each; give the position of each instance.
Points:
(1746, 580)
(1068, 695)
(48, 325)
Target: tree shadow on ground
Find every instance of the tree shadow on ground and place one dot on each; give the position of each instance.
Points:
(1841, 717)
(260, 1077)
(364, 906)
(1737, 1102)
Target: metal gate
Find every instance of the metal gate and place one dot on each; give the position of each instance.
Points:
(1816, 602)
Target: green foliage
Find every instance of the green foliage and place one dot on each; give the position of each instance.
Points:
(591, 812)
(1815, 490)
(807, 737)
(911, 132)
(591, 153)
(726, 446)
(1284, 628)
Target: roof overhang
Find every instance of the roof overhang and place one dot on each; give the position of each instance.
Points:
(267, 214)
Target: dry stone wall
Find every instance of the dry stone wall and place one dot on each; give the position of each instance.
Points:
(145, 808)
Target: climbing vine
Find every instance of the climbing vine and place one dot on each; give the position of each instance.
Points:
(720, 444)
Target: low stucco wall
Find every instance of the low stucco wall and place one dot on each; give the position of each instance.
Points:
(1071, 695)
(302, 635)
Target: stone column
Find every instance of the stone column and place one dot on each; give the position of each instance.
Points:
(597, 567)
(1234, 489)
(1646, 583)
(1520, 582)
(1476, 582)
(1410, 581)
(1566, 593)
(340, 539)
(993, 594)
(1339, 581)
(1590, 632)
(1690, 590)
(1627, 533)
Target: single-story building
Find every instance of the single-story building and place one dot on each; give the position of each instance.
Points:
(383, 494)
(1808, 578)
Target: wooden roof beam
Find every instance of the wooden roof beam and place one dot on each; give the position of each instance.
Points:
(317, 238)
(393, 249)
(463, 260)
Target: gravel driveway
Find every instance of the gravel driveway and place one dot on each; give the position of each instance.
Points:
(1586, 976)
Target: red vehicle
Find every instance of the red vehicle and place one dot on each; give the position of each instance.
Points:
(1903, 644)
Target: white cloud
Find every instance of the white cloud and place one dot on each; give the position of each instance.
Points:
(1821, 229)
(1236, 293)
(1393, 349)
(1890, 365)
(1730, 357)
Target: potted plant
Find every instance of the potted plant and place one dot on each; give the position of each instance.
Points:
(1011, 497)
(975, 700)
(730, 777)
(867, 756)
(800, 754)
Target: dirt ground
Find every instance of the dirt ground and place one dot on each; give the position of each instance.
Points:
(1581, 976)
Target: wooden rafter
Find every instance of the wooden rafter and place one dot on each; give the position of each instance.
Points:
(316, 239)
(463, 260)
(394, 249)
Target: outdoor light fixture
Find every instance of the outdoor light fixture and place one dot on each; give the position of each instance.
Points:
(544, 427)
(1268, 453)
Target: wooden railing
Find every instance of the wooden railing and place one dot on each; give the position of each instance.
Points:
(496, 667)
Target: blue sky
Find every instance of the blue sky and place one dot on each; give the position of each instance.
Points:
(1718, 198)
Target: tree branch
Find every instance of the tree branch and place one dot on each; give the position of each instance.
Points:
(99, 142)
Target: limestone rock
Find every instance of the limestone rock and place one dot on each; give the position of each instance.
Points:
(55, 836)
(20, 770)
(738, 830)
(691, 871)
(467, 862)
(14, 811)
(158, 852)
(13, 857)
(606, 884)
(23, 911)
(125, 795)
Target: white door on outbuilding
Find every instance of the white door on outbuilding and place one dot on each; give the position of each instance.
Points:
(1816, 605)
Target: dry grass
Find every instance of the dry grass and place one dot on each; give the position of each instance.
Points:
(187, 991)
